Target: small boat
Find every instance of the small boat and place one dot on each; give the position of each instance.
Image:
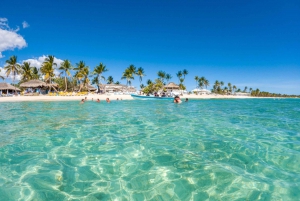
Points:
(150, 97)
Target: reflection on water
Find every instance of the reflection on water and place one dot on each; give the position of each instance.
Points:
(150, 150)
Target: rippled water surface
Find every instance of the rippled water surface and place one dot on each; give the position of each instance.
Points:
(246, 149)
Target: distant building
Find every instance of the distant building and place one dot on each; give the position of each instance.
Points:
(241, 94)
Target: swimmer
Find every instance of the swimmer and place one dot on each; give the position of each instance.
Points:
(177, 99)
(107, 100)
(82, 101)
(186, 100)
(117, 98)
(85, 99)
(98, 100)
(92, 99)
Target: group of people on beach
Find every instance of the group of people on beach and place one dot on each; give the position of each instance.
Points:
(98, 100)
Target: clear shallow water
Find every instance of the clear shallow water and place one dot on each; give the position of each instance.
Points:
(142, 150)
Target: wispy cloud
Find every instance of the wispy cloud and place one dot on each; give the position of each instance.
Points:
(25, 25)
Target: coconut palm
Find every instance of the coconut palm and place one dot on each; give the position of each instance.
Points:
(229, 87)
(221, 83)
(206, 83)
(149, 81)
(142, 86)
(245, 89)
(12, 67)
(48, 68)
(35, 73)
(141, 73)
(27, 71)
(234, 88)
(83, 75)
(250, 90)
(110, 80)
(128, 75)
(184, 73)
(162, 75)
(132, 69)
(101, 68)
(117, 82)
(168, 77)
(197, 80)
(66, 66)
(179, 75)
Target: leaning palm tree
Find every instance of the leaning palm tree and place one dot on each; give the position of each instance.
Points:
(168, 77)
(26, 71)
(229, 87)
(66, 66)
(12, 67)
(128, 75)
(48, 68)
(85, 72)
(110, 80)
(245, 89)
(206, 83)
(141, 73)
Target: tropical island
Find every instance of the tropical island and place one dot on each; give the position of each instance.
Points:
(79, 80)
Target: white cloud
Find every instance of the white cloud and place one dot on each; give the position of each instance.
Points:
(9, 38)
(25, 25)
(37, 62)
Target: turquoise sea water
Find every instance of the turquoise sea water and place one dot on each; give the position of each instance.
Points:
(247, 149)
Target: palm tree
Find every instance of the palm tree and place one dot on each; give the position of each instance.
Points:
(245, 89)
(162, 75)
(128, 75)
(250, 90)
(101, 68)
(140, 73)
(206, 83)
(197, 80)
(117, 82)
(132, 69)
(35, 73)
(27, 71)
(149, 81)
(12, 67)
(229, 86)
(184, 73)
(234, 88)
(168, 77)
(221, 83)
(66, 66)
(179, 75)
(110, 80)
(84, 74)
(48, 68)
(142, 86)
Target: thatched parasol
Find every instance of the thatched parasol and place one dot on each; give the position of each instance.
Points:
(6, 86)
(34, 84)
(171, 85)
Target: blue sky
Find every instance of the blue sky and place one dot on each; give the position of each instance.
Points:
(253, 43)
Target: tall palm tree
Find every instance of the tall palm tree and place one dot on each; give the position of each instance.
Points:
(12, 67)
(234, 88)
(48, 68)
(206, 83)
(110, 80)
(27, 71)
(184, 73)
(197, 80)
(221, 83)
(229, 86)
(66, 66)
(117, 82)
(168, 77)
(101, 68)
(250, 90)
(179, 75)
(162, 75)
(128, 75)
(245, 89)
(141, 73)
(83, 75)
(132, 69)
(149, 81)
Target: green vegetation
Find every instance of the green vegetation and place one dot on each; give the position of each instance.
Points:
(82, 77)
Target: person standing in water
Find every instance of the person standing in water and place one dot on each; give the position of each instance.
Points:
(82, 101)
(107, 100)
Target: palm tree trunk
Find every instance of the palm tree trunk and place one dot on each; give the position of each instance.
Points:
(66, 83)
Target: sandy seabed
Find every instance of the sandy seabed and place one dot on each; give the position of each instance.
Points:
(104, 96)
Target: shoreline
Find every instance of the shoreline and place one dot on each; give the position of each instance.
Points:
(102, 97)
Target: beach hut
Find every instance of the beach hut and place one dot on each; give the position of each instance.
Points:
(37, 85)
(172, 86)
(111, 88)
(6, 88)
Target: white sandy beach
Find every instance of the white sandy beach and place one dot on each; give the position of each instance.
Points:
(104, 96)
